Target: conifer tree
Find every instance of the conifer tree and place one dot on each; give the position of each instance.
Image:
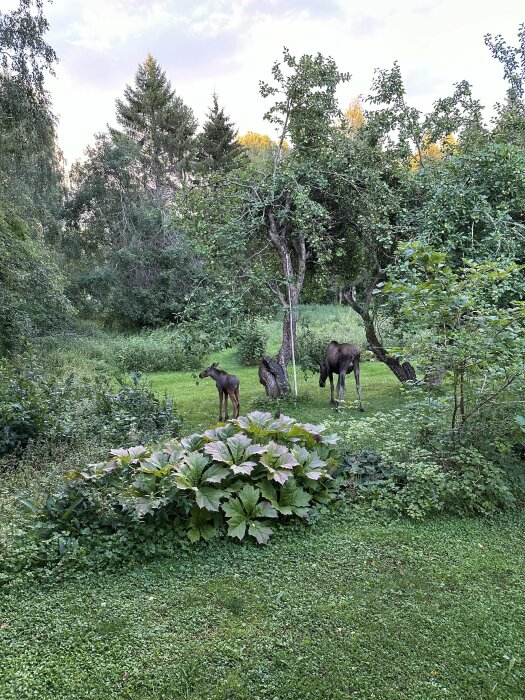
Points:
(218, 148)
(161, 125)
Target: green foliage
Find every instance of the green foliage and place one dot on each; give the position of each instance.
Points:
(412, 465)
(464, 322)
(31, 296)
(245, 511)
(305, 103)
(128, 266)
(217, 146)
(235, 475)
(185, 348)
(473, 204)
(42, 407)
(289, 621)
(155, 118)
(252, 343)
(311, 349)
(510, 119)
(33, 406)
(366, 470)
(134, 413)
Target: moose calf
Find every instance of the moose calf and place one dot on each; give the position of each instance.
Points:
(227, 385)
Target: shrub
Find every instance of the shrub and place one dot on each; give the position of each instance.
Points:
(183, 349)
(236, 477)
(311, 349)
(252, 343)
(35, 405)
(409, 462)
(149, 352)
(135, 413)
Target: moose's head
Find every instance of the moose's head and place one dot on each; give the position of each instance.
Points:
(323, 373)
(209, 371)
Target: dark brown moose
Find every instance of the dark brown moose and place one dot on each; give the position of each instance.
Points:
(340, 359)
(227, 385)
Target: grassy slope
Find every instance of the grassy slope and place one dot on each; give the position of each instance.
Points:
(198, 402)
(353, 607)
(350, 608)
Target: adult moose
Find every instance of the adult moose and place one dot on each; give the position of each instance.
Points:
(227, 385)
(340, 359)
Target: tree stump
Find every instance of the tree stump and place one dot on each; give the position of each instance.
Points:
(274, 378)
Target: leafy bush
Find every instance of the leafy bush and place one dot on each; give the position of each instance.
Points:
(34, 405)
(413, 466)
(311, 349)
(135, 413)
(366, 471)
(252, 343)
(31, 289)
(37, 406)
(163, 351)
(467, 484)
(235, 477)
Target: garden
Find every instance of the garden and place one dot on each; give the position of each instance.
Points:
(352, 292)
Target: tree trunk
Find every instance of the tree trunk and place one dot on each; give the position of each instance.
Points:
(273, 372)
(402, 370)
(274, 377)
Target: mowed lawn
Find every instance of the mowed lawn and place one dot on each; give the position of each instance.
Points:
(197, 399)
(198, 403)
(352, 607)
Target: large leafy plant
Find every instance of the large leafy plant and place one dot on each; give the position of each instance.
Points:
(231, 478)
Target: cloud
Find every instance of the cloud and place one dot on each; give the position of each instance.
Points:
(365, 26)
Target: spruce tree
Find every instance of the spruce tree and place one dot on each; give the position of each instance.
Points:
(217, 145)
(161, 125)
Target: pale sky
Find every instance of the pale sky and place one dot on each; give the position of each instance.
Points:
(229, 45)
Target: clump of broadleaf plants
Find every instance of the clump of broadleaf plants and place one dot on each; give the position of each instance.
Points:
(236, 478)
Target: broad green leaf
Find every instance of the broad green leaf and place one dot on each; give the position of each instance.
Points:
(175, 451)
(215, 474)
(194, 534)
(268, 491)
(249, 496)
(218, 451)
(157, 464)
(237, 528)
(310, 465)
(233, 508)
(209, 497)
(132, 454)
(221, 432)
(291, 499)
(196, 461)
(278, 462)
(282, 424)
(192, 442)
(200, 524)
(244, 468)
(264, 509)
(257, 418)
(237, 446)
(260, 531)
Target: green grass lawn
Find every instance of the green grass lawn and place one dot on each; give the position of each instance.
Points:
(197, 400)
(353, 607)
(198, 403)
